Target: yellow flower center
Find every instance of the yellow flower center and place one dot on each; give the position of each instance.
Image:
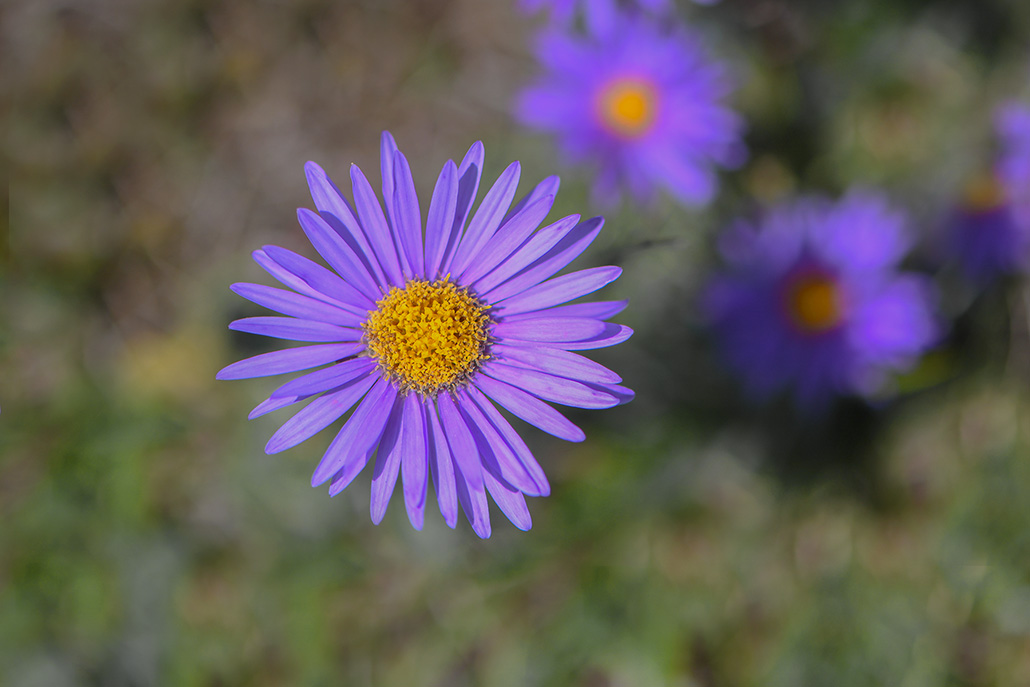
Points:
(984, 193)
(428, 336)
(814, 304)
(627, 107)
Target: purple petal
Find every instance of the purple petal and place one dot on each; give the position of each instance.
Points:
(287, 278)
(358, 437)
(494, 452)
(552, 329)
(537, 245)
(317, 277)
(469, 173)
(441, 467)
(339, 254)
(327, 378)
(557, 362)
(289, 360)
(388, 463)
(510, 236)
(514, 441)
(487, 218)
(600, 310)
(459, 438)
(414, 460)
(337, 212)
(270, 405)
(559, 290)
(511, 502)
(387, 149)
(613, 334)
(476, 507)
(370, 212)
(440, 221)
(529, 408)
(295, 330)
(564, 252)
(296, 305)
(547, 187)
(407, 217)
(550, 388)
(317, 415)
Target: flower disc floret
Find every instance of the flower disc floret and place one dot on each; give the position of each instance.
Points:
(428, 336)
(627, 107)
(814, 303)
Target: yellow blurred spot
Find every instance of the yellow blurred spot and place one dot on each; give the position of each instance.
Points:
(814, 304)
(428, 336)
(180, 365)
(627, 107)
(983, 193)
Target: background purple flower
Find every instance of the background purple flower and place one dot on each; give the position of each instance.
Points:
(638, 101)
(812, 299)
(991, 227)
(422, 335)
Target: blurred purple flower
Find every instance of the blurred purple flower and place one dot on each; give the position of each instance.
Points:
(640, 102)
(991, 227)
(812, 299)
(422, 335)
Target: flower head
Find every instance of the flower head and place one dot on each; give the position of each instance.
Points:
(423, 333)
(812, 299)
(641, 102)
(991, 226)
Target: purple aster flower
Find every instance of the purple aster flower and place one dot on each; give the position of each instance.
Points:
(812, 299)
(640, 102)
(423, 334)
(991, 227)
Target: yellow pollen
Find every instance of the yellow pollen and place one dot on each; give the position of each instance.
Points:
(428, 336)
(627, 107)
(984, 193)
(814, 304)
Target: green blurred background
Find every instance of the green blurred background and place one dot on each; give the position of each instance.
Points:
(692, 540)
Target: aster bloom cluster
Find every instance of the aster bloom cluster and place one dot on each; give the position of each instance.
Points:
(813, 301)
(640, 101)
(991, 228)
(424, 334)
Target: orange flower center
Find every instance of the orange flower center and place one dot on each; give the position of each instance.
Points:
(984, 193)
(627, 107)
(814, 304)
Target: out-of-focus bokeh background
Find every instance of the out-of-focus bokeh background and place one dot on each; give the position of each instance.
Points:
(694, 539)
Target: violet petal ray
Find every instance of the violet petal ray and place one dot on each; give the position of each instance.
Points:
(550, 329)
(388, 463)
(550, 388)
(510, 236)
(292, 329)
(547, 187)
(538, 245)
(529, 408)
(340, 256)
(440, 466)
(370, 212)
(511, 502)
(288, 360)
(475, 505)
(613, 334)
(600, 310)
(440, 220)
(317, 277)
(327, 378)
(287, 278)
(459, 438)
(564, 252)
(296, 305)
(270, 405)
(514, 441)
(556, 362)
(337, 212)
(487, 218)
(559, 290)
(414, 460)
(317, 415)
(360, 433)
(407, 217)
(507, 463)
